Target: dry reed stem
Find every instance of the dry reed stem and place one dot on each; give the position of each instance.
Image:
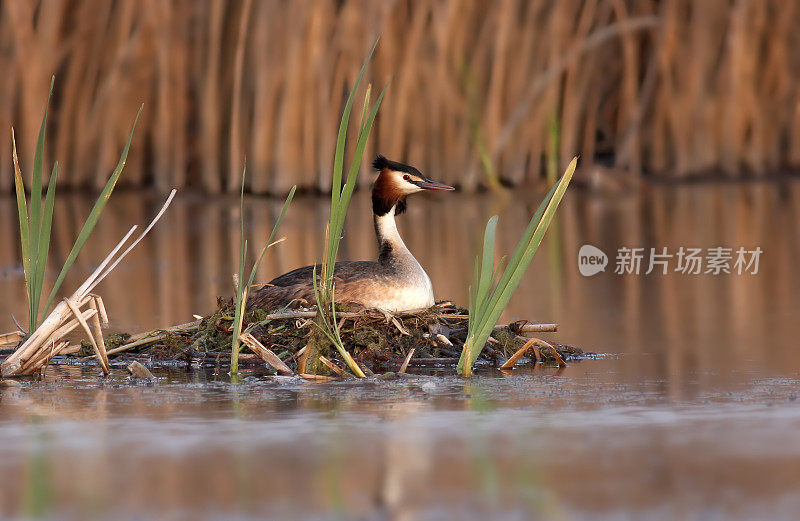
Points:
(266, 354)
(673, 88)
(316, 377)
(406, 361)
(36, 351)
(443, 339)
(333, 367)
(302, 359)
(559, 360)
(187, 326)
(94, 334)
(151, 337)
(12, 338)
(137, 343)
(513, 359)
(138, 370)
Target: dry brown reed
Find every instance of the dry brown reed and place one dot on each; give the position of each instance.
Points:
(674, 88)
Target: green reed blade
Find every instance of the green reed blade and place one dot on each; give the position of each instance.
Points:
(275, 227)
(485, 312)
(241, 218)
(35, 289)
(340, 200)
(365, 108)
(94, 216)
(338, 159)
(355, 166)
(504, 296)
(487, 261)
(22, 214)
(44, 235)
(236, 326)
(473, 290)
(519, 252)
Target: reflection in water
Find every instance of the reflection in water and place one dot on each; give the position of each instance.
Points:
(694, 418)
(576, 446)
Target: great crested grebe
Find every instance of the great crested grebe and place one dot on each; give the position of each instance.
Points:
(395, 282)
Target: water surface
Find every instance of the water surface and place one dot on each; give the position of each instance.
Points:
(693, 415)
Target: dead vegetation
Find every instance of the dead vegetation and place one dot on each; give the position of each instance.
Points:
(674, 88)
(81, 309)
(379, 342)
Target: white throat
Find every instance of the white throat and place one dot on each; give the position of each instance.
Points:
(386, 229)
(413, 288)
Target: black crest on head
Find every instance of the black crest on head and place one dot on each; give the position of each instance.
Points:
(381, 163)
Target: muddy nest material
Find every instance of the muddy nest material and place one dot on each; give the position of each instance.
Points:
(378, 342)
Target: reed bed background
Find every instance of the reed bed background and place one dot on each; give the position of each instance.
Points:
(482, 91)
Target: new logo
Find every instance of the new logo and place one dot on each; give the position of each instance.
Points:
(591, 260)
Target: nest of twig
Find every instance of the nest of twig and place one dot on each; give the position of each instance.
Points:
(379, 342)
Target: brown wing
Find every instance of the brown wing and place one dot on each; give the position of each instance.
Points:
(297, 286)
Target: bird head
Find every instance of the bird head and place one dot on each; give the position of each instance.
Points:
(395, 182)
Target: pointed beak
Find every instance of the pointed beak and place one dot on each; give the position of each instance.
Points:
(433, 185)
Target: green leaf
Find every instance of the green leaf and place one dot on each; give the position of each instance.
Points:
(487, 262)
(501, 299)
(337, 219)
(44, 238)
(22, 214)
(338, 158)
(275, 227)
(35, 289)
(236, 326)
(487, 305)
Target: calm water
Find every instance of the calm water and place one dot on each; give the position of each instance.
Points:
(693, 415)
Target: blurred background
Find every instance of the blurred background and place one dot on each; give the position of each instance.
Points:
(481, 93)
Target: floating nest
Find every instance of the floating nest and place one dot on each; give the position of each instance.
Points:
(379, 342)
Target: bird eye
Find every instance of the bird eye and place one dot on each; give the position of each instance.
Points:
(407, 177)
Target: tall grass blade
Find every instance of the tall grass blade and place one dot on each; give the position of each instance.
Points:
(241, 292)
(337, 218)
(94, 216)
(44, 233)
(486, 272)
(271, 235)
(22, 213)
(244, 286)
(487, 305)
(498, 304)
(236, 327)
(35, 224)
(340, 200)
(338, 158)
(331, 331)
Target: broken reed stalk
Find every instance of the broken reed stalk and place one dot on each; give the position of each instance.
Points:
(152, 336)
(513, 359)
(137, 370)
(266, 354)
(340, 201)
(316, 377)
(487, 298)
(333, 367)
(67, 315)
(11, 338)
(407, 360)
